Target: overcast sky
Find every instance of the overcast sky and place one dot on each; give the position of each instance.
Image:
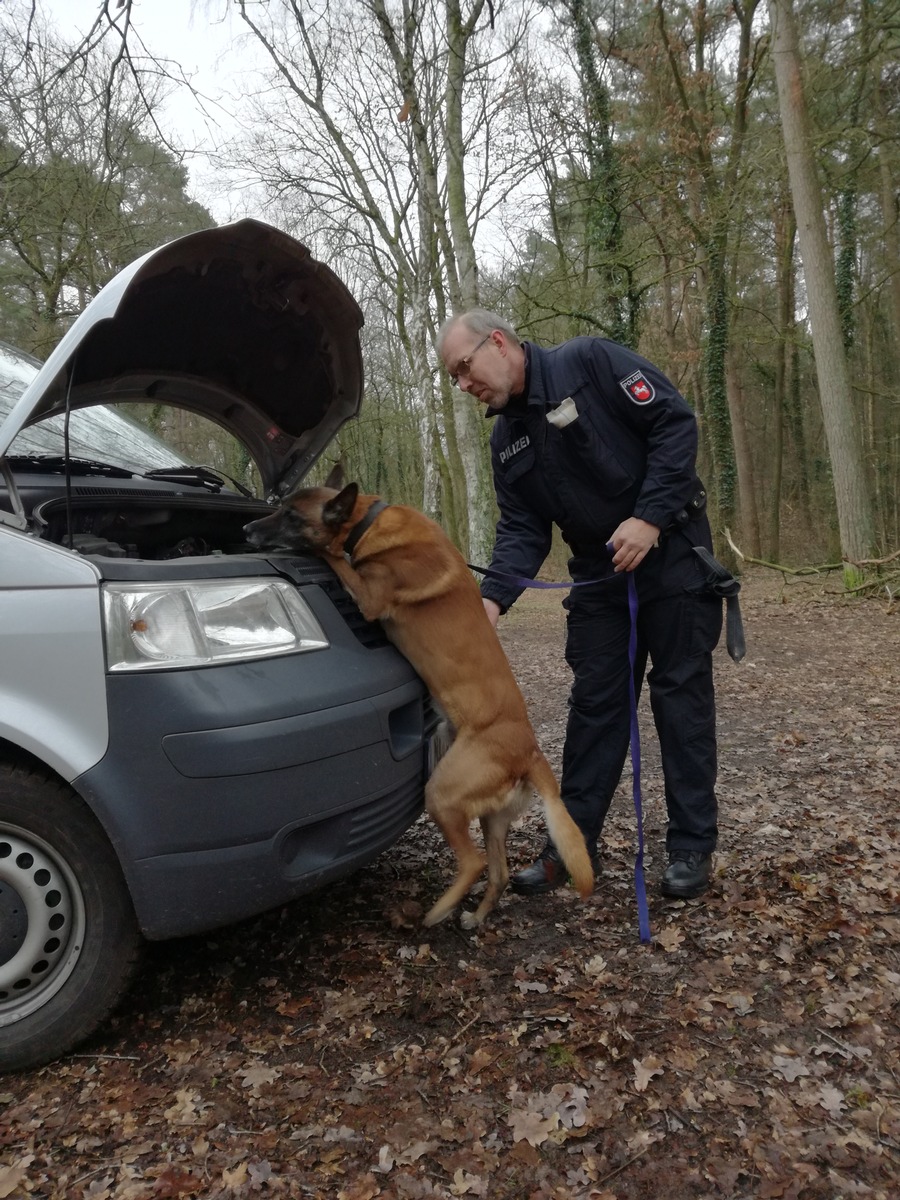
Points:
(199, 35)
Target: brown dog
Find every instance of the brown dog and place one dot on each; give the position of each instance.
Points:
(404, 572)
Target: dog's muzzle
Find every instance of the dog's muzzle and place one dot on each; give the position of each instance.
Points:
(265, 531)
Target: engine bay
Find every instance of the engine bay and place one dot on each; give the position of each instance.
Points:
(148, 527)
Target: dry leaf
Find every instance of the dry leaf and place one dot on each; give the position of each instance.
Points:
(254, 1077)
(413, 1152)
(789, 1068)
(645, 1071)
(465, 1184)
(12, 1176)
(642, 1139)
(531, 1127)
(185, 1109)
(236, 1177)
(739, 1002)
(832, 1100)
(670, 938)
(595, 966)
(785, 953)
(366, 1187)
(533, 985)
(385, 1160)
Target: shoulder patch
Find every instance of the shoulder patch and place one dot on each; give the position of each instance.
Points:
(638, 388)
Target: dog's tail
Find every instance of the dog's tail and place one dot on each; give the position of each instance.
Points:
(564, 833)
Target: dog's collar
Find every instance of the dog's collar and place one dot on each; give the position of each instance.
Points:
(378, 506)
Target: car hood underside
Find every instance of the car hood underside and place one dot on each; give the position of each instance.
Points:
(239, 324)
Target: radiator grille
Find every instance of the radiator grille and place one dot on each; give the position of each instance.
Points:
(369, 633)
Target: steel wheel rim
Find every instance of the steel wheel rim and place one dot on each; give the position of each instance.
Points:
(40, 889)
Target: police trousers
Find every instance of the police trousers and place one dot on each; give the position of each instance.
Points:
(678, 626)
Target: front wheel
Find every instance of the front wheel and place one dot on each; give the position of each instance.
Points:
(69, 942)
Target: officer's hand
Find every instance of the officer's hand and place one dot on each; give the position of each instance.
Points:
(492, 608)
(632, 541)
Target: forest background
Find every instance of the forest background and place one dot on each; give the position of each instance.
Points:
(714, 184)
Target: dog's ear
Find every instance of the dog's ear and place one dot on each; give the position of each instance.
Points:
(335, 478)
(339, 509)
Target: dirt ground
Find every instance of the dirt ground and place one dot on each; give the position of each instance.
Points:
(335, 1049)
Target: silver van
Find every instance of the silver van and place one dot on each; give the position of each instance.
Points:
(190, 732)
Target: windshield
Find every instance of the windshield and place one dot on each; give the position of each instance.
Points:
(99, 433)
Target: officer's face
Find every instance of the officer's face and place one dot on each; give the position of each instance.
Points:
(485, 367)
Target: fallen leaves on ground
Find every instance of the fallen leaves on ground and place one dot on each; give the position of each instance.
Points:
(332, 1050)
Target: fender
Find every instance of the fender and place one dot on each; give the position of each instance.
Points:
(52, 681)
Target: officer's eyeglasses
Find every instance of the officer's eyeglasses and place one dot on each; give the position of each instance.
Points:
(464, 365)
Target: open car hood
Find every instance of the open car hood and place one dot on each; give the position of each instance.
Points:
(239, 324)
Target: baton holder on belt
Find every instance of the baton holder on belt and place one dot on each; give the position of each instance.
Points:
(722, 583)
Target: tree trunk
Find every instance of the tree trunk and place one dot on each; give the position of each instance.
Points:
(743, 458)
(431, 476)
(854, 509)
(719, 190)
(459, 250)
(715, 349)
(891, 216)
(784, 267)
(618, 302)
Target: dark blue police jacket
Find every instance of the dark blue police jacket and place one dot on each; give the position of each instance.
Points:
(600, 435)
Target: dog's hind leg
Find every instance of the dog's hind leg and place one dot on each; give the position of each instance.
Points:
(495, 827)
(467, 783)
(454, 826)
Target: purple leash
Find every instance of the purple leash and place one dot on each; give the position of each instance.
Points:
(640, 889)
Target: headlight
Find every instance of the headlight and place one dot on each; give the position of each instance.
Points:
(156, 625)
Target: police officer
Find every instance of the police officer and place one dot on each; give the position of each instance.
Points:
(594, 439)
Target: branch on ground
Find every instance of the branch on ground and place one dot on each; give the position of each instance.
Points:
(890, 582)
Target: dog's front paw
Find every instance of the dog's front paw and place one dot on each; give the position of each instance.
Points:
(470, 920)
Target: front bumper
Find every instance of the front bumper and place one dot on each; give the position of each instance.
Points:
(228, 790)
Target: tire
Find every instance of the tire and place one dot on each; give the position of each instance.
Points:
(69, 941)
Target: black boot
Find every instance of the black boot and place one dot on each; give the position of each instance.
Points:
(687, 874)
(545, 874)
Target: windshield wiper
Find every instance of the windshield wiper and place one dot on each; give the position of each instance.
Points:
(201, 476)
(53, 463)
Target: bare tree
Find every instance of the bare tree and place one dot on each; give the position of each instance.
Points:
(855, 517)
(393, 129)
(440, 153)
(82, 188)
